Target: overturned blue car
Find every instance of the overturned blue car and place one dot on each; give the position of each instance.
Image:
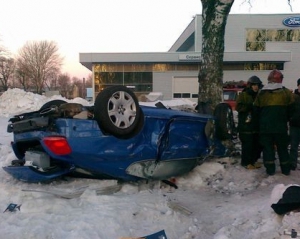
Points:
(116, 138)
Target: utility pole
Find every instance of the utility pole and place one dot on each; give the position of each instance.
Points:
(83, 89)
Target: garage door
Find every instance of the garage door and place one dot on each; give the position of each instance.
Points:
(185, 87)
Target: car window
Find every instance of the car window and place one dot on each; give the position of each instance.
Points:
(229, 95)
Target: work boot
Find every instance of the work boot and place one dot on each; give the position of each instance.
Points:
(293, 167)
(270, 169)
(286, 172)
(285, 169)
(250, 167)
(258, 164)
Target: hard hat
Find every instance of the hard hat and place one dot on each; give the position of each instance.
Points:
(254, 80)
(275, 76)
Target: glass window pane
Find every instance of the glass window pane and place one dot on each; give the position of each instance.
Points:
(271, 35)
(263, 66)
(143, 68)
(255, 46)
(247, 67)
(276, 35)
(253, 35)
(229, 95)
(187, 67)
(186, 95)
(108, 67)
(293, 35)
(138, 77)
(163, 67)
(128, 67)
(281, 35)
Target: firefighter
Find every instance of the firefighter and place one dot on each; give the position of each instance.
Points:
(295, 129)
(274, 106)
(247, 124)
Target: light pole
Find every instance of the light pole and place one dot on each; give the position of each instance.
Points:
(83, 89)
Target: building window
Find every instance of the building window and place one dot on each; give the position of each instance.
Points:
(183, 95)
(253, 66)
(176, 95)
(261, 66)
(256, 38)
(138, 76)
(186, 95)
(139, 82)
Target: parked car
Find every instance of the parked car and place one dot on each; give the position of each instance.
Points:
(116, 138)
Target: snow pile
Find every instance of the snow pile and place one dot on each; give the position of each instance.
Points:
(16, 101)
(217, 200)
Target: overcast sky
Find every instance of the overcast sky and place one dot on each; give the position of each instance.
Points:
(108, 25)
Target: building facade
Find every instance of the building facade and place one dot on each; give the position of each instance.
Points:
(254, 45)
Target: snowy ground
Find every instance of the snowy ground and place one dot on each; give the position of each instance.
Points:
(217, 200)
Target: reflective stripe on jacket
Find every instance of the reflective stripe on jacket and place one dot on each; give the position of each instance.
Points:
(274, 109)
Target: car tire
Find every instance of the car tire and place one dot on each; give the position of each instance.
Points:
(225, 127)
(117, 112)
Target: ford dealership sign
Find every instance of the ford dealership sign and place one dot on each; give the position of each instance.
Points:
(291, 21)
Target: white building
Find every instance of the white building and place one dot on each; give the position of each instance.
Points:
(254, 45)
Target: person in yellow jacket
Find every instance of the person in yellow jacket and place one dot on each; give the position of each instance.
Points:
(274, 107)
(247, 124)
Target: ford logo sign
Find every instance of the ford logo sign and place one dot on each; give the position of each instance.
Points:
(291, 21)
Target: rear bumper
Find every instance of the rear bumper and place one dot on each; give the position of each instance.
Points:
(28, 125)
(32, 175)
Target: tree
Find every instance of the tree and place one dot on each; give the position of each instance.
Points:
(210, 78)
(52, 81)
(21, 76)
(39, 61)
(89, 81)
(64, 82)
(7, 66)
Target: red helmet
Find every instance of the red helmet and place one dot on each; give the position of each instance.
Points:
(275, 76)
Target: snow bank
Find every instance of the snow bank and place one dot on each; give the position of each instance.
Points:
(16, 101)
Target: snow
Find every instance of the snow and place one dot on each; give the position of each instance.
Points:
(218, 200)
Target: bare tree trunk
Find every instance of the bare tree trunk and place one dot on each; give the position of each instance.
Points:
(7, 67)
(210, 78)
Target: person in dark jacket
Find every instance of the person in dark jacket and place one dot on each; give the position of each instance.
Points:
(297, 91)
(274, 106)
(247, 124)
(295, 129)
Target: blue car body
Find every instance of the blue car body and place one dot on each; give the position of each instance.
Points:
(170, 143)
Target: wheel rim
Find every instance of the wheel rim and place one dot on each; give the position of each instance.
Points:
(122, 109)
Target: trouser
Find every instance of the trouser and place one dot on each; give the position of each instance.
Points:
(294, 141)
(269, 142)
(251, 148)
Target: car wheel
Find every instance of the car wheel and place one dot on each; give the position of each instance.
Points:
(117, 112)
(225, 127)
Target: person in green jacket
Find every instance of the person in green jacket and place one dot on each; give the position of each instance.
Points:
(295, 129)
(274, 106)
(247, 124)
